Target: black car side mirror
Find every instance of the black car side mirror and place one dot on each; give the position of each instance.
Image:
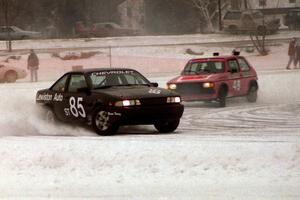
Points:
(154, 84)
(85, 90)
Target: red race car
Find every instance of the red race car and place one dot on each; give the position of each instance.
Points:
(215, 79)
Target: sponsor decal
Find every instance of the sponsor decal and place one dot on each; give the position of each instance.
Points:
(154, 91)
(58, 97)
(67, 111)
(114, 114)
(44, 97)
(112, 72)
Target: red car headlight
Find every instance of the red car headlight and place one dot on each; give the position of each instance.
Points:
(208, 85)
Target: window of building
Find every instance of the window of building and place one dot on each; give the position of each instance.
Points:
(262, 3)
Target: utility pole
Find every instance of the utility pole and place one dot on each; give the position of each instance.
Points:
(110, 57)
(220, 15)
(246, 4)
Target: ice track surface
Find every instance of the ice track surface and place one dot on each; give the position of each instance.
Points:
(244, 151)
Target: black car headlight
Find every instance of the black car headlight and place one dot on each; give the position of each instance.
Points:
(126, 103)
(173, 100)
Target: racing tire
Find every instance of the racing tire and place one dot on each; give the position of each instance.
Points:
(101, 123)
(50, 117)
(167, 126)
(11, 76)
(222, 97)
(252, 94)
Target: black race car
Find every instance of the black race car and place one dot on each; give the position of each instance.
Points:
(109, 98)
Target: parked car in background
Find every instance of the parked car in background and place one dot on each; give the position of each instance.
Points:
(10, 74)
(103, 29)
(216, 79)
(16, 33)
(250, 21)
(292, 19)
(112, 29)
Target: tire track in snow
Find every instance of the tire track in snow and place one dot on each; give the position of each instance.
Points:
(245, 119)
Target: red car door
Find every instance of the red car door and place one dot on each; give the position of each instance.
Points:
(246, 75)
(234, 78)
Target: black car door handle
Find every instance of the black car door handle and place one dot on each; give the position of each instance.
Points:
(67, 97)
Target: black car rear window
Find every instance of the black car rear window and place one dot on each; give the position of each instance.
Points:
(117, 78)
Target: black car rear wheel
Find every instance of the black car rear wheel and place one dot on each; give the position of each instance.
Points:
(50, 116)
(167, 126)
(102, 124)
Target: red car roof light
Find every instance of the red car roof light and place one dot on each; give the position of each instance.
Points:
(235, 53)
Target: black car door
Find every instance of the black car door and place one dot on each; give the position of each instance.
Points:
(76, 99)
(58, 92)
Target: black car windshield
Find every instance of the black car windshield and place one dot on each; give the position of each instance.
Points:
(209, 67)
(105, 79)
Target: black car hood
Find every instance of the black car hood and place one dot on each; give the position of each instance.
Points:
(135, 92)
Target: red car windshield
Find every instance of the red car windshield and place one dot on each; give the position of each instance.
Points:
(209, 67)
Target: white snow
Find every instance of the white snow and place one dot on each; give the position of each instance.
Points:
(243, 151)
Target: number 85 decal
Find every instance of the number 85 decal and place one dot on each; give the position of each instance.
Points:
(76, 107)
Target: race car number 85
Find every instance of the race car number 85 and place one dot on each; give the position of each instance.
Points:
(76, 108)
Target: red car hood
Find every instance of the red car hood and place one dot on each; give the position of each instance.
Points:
(189, 78)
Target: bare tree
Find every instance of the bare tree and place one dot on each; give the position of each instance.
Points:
(258, 41)
(258, 37)
(208, 9)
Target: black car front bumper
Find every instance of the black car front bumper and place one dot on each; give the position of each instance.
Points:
(135, 115)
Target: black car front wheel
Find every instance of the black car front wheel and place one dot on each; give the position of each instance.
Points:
(167, 126)
(102, 124)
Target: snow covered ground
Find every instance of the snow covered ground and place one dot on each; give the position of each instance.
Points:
(243, 151)
(152, 60)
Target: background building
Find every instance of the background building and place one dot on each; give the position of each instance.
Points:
(132, 14)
